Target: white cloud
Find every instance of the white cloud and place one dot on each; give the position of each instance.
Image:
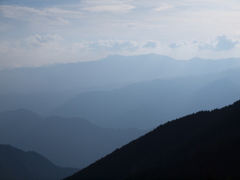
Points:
(174, 45)
(51, 48)
(39, 50)
(220, 47)
(46, 16)
(5, 48)
(19, 12)
(150, 44)
(110, 45)
(113, 46)
(220, 43)
(113, 6)
(90, 29)
(110, 8)
(49, 40)
(163, 7)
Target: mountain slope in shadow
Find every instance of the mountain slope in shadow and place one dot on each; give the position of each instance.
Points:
(68, 142)
(146, 105)
(204, 145)
(16, 164)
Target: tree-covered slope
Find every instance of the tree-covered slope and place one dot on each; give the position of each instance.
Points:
(68, 142)
(16, 164)
(198, 146)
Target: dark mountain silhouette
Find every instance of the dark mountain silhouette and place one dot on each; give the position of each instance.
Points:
(16, 164)
(68, 142)
(113, 69)
(148, 104)
(204, 145)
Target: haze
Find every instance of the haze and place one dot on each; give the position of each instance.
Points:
(36, 33)
(81, 80)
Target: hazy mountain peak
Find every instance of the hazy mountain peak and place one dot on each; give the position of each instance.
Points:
(196, 59)
(21, 113)
(149, 56)
(112, 69)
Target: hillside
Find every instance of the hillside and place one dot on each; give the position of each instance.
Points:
(204, 145)
(145, 105)
(123, 91)
(106, 71)
(16, 164)
(68, 142)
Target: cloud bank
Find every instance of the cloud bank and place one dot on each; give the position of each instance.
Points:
(43, 32)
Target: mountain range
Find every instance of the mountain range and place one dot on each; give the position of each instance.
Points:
(147, 104)
(203, 145)
(68, 142)
(16, 164)
(123, 91)
(86, 110)
(114, 69)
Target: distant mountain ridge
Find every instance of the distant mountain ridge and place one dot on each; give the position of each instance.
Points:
(112, 69)
(55, 90)
(16, 164)
(203, 145)
(69, 142)
(147, 104)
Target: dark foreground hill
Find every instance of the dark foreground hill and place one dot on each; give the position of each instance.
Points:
(67, 142)
(204, 145)
(16, 164)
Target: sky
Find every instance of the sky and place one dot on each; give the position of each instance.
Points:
(41, 32)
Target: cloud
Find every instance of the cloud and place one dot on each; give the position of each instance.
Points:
(19, 12)
(43, 49)
(47, 31)
(111, 45)
(38, 50)
(46, 16)
(174, 45)
(150, 44)
(224, 43)
(221, 43)
(113, 6)
(42, 40)
(163, 7)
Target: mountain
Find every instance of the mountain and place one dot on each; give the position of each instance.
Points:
(147, 104)
(204, 145)
(44, 88)
(45, 100)
(16, 164)
(113, 69)
(68, 142)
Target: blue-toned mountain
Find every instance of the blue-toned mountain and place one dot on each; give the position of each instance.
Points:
(113, 69)
(147, 104)
(68, 142)
(16, 164)
(204, 145)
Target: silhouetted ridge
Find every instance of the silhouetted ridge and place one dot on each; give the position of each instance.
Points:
(16, 164)
(202, 145)
(20, 113)
(68, 142)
